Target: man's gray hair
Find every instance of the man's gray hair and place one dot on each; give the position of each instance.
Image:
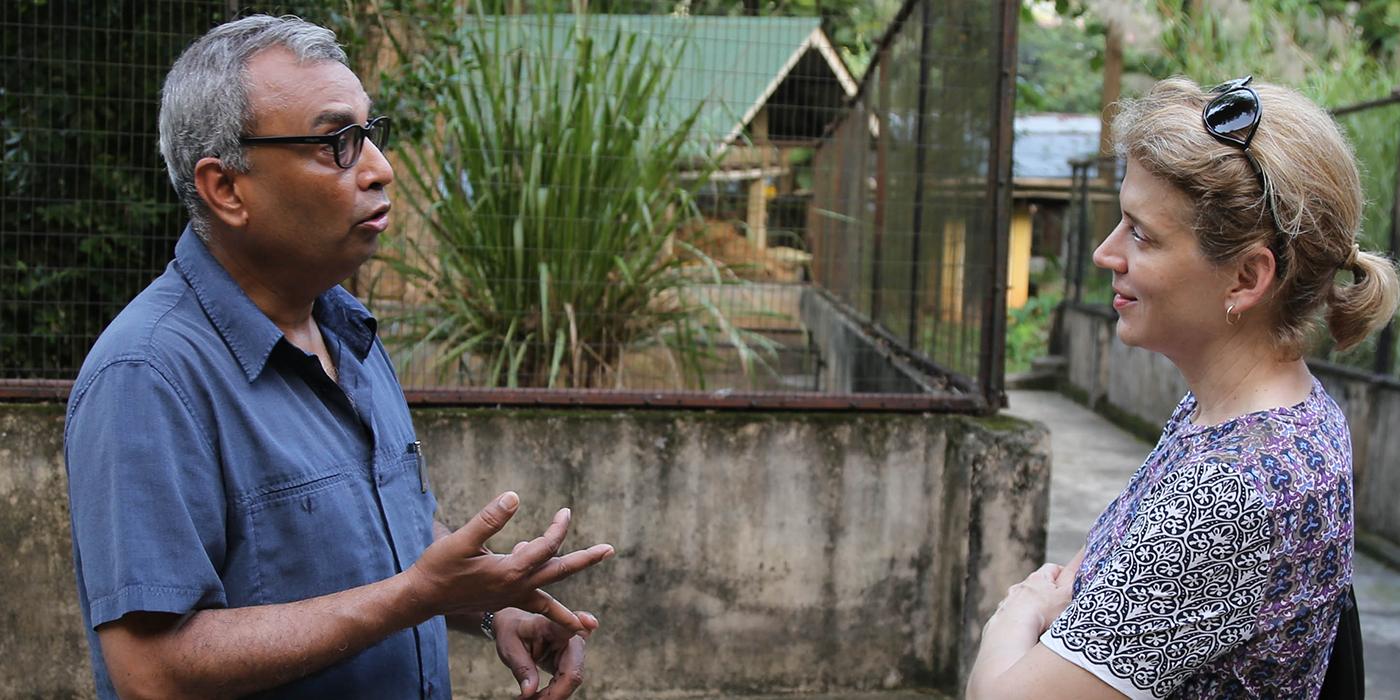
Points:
(204, 105)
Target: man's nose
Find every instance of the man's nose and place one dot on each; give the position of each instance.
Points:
(375, 172)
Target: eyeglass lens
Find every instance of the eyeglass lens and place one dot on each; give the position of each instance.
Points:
(352, 141)
(1232, 112)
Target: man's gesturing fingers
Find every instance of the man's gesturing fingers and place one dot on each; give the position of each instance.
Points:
(517, 658)
(489, 521)
(568, 676)
(559, 568)
(537, 551)
(542, 603)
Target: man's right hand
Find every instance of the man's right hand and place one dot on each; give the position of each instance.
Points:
(458, 574)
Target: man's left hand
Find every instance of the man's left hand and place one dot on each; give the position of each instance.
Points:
(527, 643)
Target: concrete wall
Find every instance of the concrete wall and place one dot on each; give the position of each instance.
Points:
(757, 552)
(1141, 388)
(853, 361)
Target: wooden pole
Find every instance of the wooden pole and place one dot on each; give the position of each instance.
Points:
(1112, 89)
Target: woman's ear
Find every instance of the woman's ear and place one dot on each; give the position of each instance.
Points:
(217, 187)
(1253, 278)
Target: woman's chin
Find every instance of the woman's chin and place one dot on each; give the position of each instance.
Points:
(1126, 335)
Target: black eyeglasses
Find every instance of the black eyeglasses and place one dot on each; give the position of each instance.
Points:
(348, 142)
(1237, 109)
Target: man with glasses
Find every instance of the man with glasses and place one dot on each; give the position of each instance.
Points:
(250, 509)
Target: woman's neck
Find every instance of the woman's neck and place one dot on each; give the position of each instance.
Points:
(1239, 377)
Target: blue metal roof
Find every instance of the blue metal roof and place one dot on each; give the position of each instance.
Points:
(1045, 143)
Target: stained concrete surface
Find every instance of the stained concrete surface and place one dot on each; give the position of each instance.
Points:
(1091, 460)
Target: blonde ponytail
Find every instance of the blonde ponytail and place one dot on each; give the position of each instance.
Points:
(1358, 309)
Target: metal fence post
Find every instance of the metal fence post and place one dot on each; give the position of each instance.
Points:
(992, 370)
(1385, 345)
(920, 158)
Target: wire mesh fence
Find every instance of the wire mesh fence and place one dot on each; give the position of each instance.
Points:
(664, 203)
(87, 216)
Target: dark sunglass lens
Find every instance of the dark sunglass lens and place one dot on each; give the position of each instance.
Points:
(1232, 112)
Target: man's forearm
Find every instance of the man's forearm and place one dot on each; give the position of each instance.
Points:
(236, 651)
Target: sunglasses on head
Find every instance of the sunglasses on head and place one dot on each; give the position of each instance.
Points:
(1235, 109)
(347, 142)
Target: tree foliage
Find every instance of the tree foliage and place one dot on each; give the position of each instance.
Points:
(89, 215)
(1056, 70)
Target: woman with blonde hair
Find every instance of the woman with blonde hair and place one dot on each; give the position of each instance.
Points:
(1225, 564)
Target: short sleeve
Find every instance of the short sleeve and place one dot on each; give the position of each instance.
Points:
(146, 494)
(1184, 587)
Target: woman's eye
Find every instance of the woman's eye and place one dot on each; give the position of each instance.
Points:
(1137, 234)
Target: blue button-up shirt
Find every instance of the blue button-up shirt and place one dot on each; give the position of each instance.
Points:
(212, 464)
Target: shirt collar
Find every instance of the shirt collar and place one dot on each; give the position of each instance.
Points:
(247, 331)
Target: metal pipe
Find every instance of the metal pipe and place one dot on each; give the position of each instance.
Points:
(1390, 99)
(882, 176)
(992, 370)
(920, 159)
(919, 403)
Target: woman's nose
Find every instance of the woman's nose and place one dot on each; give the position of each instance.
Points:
(1107, 255)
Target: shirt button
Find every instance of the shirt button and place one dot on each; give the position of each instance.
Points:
(382, 478)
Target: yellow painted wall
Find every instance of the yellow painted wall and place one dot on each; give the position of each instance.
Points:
(1018, 264)
(954, 253)
(1018, 261)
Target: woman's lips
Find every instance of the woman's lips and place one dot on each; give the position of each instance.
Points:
(1120, 301)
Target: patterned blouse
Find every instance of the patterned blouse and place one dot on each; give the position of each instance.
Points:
(1219, 571)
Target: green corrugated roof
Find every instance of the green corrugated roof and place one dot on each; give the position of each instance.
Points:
(731, 63)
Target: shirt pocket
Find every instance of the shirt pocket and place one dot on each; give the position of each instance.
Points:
(409, 507)
(316, 535)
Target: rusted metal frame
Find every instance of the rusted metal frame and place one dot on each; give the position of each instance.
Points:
(35, 389)
(991, 369)
(920, 160)
(1081, 242)
(59, 389)
(1100, 310)
(882, 176)
(1385, 345)
(1071, 244)
(882, 45)
(580, 398)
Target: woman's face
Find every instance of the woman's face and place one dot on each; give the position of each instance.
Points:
(1170, 298)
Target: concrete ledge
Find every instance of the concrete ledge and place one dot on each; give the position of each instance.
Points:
(758, 553)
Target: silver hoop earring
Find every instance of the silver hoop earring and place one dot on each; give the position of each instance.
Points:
(1231, 317)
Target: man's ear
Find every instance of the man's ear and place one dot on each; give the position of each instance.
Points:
(217, 187)
(1253, 278)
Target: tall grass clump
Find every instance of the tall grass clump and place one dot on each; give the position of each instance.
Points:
(553, 185)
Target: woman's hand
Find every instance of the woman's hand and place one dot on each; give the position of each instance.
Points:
(1039, 599)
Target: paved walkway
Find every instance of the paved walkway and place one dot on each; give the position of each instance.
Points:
(1092, 460)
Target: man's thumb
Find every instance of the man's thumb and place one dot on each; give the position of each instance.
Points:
(525, 676)
(490, 520)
